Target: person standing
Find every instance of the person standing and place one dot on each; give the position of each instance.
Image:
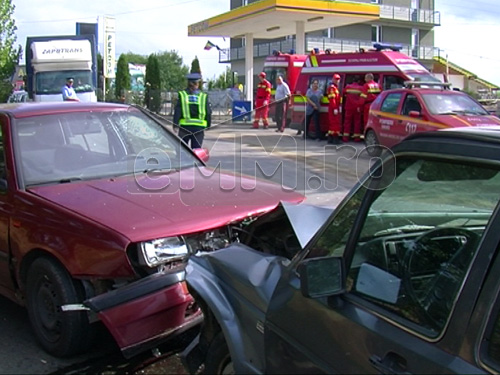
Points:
(370, 91)
(313, 97)
(68, 92)
(353, 107)
(334, 110)
(282, 99)
(234, 95)
(262, 102)
(193, 113)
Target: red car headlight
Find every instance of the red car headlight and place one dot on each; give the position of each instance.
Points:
(163, 250)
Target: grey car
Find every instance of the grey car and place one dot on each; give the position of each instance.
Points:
(402, 277)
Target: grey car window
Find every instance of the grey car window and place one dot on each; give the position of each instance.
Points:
(417, 239)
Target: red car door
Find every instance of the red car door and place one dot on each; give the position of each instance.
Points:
(6, 199)
(386, 121)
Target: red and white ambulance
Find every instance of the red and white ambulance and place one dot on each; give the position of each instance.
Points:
(391, 69)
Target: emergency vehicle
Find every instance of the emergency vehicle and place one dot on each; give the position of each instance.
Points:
(390, 68)
(421, 107)
(288, 65)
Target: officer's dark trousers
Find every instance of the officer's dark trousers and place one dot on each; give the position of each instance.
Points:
(195, 134)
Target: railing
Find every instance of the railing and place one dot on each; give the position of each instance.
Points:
(425, 16)
(410, 15)
(336, 45)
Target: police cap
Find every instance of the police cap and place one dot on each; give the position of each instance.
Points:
(193, 77)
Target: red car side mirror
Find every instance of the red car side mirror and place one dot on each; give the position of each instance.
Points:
(414, 114)
(202, 154)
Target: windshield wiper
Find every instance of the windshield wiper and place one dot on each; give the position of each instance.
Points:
(69, 179)
(403, 229)
(160, 170)
(461, 112)
(452, 113)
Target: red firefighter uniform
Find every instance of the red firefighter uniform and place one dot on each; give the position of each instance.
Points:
(370, 91)
(352, 111)
(334, 105)
(262, 102)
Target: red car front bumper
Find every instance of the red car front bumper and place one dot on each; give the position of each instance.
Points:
(148, 312)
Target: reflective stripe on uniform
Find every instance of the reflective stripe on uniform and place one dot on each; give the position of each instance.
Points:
(193, 99)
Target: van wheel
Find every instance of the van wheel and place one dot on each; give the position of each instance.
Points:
(218, 360)
(373, 147)
(48, 287)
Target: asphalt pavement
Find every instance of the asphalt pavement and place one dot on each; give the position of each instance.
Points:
(330, 170)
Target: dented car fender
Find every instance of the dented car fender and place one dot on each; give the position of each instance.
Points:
(234, 287)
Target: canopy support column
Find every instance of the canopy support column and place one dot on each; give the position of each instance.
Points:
(249, 68)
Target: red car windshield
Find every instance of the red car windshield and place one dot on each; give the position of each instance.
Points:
(88, 145)
(451, 103)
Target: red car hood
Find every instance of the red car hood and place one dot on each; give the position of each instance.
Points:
(151, 206)
(454, 121)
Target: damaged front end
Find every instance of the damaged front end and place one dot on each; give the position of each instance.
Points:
(157, 307)
(247, 272)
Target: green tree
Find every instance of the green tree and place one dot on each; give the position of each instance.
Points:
(9, 55)
(100, 77)
(122, 80)
(195, 65)
(172, 71)
(223, 81)
(152, 95)
(134, 58)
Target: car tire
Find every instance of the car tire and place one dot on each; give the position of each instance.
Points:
(49, 286)
(218, 360)
(372, 144)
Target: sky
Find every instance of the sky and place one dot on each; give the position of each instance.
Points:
(467, 35)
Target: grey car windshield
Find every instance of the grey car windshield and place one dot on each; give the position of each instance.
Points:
(87, 145)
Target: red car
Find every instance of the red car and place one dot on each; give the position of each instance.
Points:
(99, 207)
(397, 113)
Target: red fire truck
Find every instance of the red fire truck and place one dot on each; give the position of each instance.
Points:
(390, 68)
(288, 65)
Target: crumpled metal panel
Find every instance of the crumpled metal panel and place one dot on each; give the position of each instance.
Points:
(306, 219)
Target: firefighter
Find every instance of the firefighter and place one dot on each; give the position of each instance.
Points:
(352, 110)
(334, 110)
(371, 89)
(193, 113)
(262, 102)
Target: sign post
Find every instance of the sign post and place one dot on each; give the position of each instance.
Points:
(109, 51)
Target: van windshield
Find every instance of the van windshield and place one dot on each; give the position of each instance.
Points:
(423, 77)
(273, 72)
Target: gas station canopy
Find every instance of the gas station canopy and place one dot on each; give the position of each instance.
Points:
(269, 19)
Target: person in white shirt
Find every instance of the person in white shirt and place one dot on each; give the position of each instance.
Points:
(282, 100)
(68, 92)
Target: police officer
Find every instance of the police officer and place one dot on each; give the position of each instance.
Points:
(193, 112)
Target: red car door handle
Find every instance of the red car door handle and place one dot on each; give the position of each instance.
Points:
(391, 364)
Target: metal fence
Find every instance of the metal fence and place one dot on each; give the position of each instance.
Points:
(219, 99)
